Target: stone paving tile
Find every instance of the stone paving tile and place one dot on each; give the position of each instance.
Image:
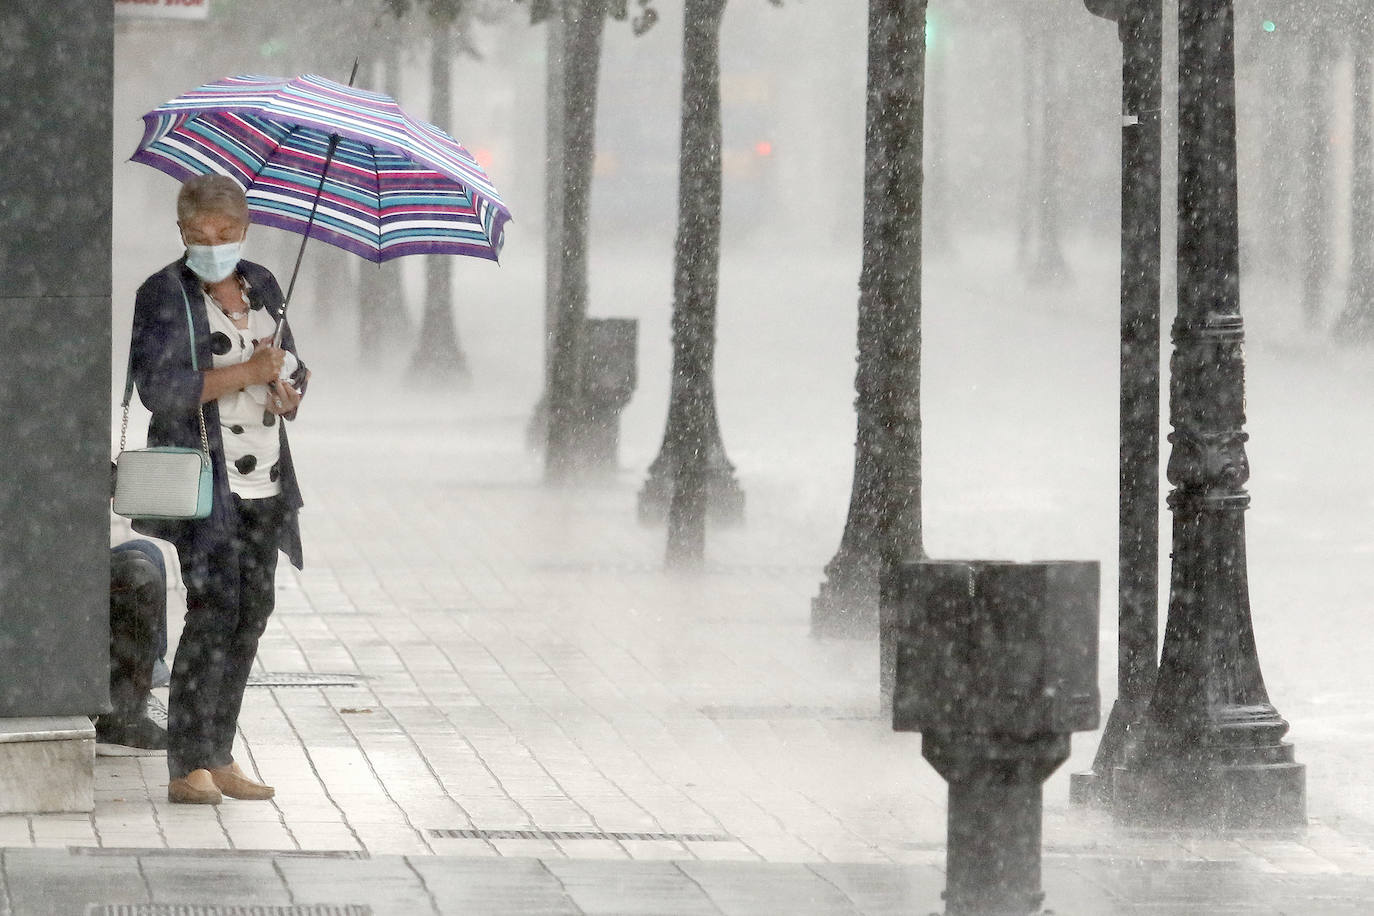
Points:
(63, 830)
(15, 830)
(592, 849)
(462, 846)
(257, 835)
(41, 881)
(879, 890)
(527, 848)
(739, 889)
(656, 850)
(608, 889)
(323, 835)
(390, 886)
(496, 886)
(208, 879)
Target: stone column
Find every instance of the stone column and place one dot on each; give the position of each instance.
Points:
(57, 67)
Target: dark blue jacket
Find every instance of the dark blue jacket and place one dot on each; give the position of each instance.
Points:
(160, 359)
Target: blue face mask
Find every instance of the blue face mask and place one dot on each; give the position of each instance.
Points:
(212, 263)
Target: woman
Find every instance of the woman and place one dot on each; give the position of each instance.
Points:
(225, 308)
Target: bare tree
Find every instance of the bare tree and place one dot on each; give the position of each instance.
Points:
(692, 450)
(1316, 209)
(383, 323)
(439, 357)
(884, 523)
(1356, 321)
(580, 24)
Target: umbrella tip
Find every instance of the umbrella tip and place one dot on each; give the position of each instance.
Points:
(352, 75)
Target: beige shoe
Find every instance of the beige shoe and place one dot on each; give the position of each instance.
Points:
(234, 783)
(195, 788)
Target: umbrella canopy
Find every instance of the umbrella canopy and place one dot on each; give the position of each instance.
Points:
(396, 185)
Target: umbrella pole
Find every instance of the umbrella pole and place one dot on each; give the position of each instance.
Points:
(295, 271)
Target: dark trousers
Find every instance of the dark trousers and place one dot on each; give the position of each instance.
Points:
(138, 619)
(229, 596)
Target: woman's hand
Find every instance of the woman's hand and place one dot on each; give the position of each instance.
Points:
(282, 398)
(264, 365)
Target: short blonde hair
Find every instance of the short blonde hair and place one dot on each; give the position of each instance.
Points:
(211, 194)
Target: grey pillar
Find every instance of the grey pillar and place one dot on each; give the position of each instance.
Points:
(57, 67)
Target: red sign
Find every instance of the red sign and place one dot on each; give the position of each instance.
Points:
(162, 9)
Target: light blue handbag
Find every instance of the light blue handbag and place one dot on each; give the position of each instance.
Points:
(164, 482)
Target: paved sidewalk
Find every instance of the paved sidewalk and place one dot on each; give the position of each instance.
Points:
(485, 696)
(131, 882)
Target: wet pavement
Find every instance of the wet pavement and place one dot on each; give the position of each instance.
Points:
(486, 696)
(130, 882)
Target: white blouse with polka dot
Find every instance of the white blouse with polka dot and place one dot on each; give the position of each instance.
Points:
(251, 446)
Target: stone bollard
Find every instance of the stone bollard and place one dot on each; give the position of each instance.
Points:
(608, 380)
(996, 666)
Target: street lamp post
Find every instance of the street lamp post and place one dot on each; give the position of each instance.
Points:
(1140, 24)
(1208, 749)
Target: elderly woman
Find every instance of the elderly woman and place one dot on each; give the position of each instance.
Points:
(225, 309)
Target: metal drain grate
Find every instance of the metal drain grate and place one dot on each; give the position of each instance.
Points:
(227, 909)
(303, 679)
(535, 834)
(832, 713)
(711, 569)
(145, 852)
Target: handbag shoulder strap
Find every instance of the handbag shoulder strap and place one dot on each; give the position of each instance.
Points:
(129, 373)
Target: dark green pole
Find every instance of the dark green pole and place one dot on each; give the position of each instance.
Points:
(1140, 24)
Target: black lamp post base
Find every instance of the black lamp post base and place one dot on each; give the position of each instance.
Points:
(1230, 787)
(724, 497)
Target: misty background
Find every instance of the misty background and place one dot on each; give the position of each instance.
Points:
(1020, 349)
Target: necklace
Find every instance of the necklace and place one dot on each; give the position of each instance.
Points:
(231, 315)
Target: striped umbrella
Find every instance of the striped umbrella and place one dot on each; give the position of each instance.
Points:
(331, 162)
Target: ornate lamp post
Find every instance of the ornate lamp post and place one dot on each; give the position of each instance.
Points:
(1140, 24)
(1209, 747)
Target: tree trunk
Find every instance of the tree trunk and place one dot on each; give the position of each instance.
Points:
(692, 444)
(1049, 267)
(383, 323)
(439, 358)
(884, 523)
(1025, 218)
(583, 23)
(335, 285)
(1356, 323)
(1278, 195)
(537, 432)
(1317, 199)
(696, 276)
